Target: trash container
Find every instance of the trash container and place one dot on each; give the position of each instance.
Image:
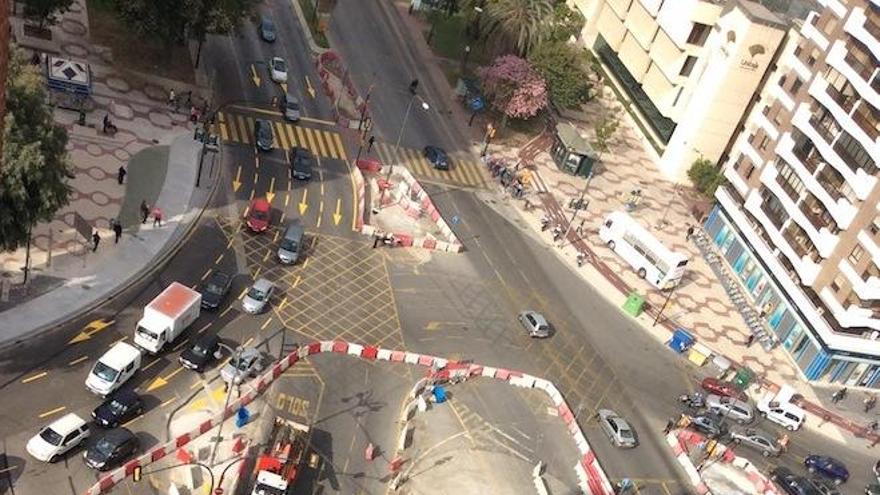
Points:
(634, 304)
(743, 378)
(681, 340)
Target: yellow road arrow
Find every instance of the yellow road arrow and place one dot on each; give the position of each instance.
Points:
(309, 87)
(337, 217)
(304, 205)
(271, 194)
(91, 329)
(160, 382)
(283, 87)
(236, 183)
(254, 77)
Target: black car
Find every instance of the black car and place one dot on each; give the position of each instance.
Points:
(709, 425)
(263, 134)
(791, 483)
(118, 408)
(437, 157)
(301, 161)
(111, 449)
(200, 353)
(214, 289)
(267, 30)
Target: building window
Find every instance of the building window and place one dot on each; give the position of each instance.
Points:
(854, 154)
(797, 51)
(795, 86)
(856, 254)
(688, 66)
(765, 140)
(782, 81)
(871, 271)
(875, 226)
(838, 283)
(830, 25)
(814, 55)
(699, 33)
(789, 180)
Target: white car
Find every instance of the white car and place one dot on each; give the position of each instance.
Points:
(59, 437)
(258, 296)
(278, 69)
(618, 430)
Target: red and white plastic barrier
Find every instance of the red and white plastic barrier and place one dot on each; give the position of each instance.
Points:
(593, 480)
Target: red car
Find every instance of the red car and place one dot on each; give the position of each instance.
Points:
(718, 387)
(258, 215)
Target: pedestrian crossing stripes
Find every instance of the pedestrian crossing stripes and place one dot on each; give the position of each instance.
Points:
(463, 170)
(238, 128)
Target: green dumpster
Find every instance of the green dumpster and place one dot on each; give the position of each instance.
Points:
(634, 304)
(743, 378)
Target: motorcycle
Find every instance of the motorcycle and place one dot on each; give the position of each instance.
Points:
(557, 233)
(545, 223)
(581, 258)
(694, 400)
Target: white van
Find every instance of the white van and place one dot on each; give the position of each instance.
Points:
(114, 368)
(779, 409)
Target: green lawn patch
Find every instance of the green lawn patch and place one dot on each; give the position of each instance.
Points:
(307, 7)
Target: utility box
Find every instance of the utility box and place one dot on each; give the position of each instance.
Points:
(634, 304)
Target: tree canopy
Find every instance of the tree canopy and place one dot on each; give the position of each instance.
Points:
(705, 176)
(565, 68)
(514, 87)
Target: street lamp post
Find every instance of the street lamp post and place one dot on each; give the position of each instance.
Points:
(235, 377)
(464, 59)
(409, 106)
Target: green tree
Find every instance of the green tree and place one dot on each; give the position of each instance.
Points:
(44, 12)
(705, 176)
(605, 131)
(34, 171)
(564, 23)
(520, 21)
(566, 70)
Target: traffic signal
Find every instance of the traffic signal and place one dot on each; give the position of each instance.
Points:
(137, 474)
(413, 86)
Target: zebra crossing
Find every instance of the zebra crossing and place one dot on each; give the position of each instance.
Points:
(239, 128)
(464, 170)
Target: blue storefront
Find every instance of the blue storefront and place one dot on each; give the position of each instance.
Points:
(815, 361)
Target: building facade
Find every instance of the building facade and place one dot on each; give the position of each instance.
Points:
(690, 68)
(799, 219)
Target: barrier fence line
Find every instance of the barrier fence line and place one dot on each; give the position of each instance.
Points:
(592, 479)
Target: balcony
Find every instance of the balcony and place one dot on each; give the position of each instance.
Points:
(838, 8)
(870, 246)
(852, 316)
(858, 74)
(864, 29)
(839, 108)
(867, 290)
(846, 102)
(867, 122)
(816, 214)
(810, 31)
(733, 176)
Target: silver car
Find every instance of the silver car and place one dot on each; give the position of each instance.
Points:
(291, 107)
(535, 324)
(728, 407)
(244, 364)
(618, 430)
(757, 440)
(258, 296)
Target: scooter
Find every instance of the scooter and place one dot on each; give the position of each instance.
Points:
(694, 400)
(545, 223)
(557, 233)
(581, 258)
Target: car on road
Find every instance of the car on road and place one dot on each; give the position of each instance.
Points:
(111, 449)
(58, 438)
(263, 135)
(200, 354)
(618, 430)
(758, 440)
(291, 107)
(244, 364)
(258, 296)
(825, 487)
(872, 489)
(267, 30)
(301, 161)
(737, 410)
(437, 157)
(278, 69)
(535, 324)
(214, 289)
(719, 387)
(258, 215)
(791, 483)
(827, 467)
(709, 424)
(119, 408)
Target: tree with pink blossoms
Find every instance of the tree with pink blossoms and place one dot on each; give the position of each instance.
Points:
(514, 87)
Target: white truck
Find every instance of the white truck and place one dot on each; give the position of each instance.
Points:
(167, 316)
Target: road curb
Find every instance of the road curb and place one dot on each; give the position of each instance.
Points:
(304, 24)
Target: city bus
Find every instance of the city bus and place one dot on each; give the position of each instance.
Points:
(638, 247)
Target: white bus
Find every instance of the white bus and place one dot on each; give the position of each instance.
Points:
(638, 247)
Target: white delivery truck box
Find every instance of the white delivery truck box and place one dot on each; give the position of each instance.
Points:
(167, 316)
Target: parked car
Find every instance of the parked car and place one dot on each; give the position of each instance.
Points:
(258, 296)
(437, 157)
(267, 30)
(791, 483)
(301, 161)
(709, 424)
(758, 440)
(535, 324)
(214, 289)
(872, 489)
(720, 387)
(198, 355)
(119, 408)
(291, 108)
(111, 449)
(263, 135)
(825, 487)
(58, 438)
(243, 365)
(259, 215)
(617, 429)
(278, 69)
(737, 410)
(827, 467)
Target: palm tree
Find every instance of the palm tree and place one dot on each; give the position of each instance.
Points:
(521, 21)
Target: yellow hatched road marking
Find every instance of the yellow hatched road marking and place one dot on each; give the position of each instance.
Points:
(224, 132)
(467, 170)
(331, 147)
(291, 136)
(246, 124)
(301, 137)
(282, 136)
(340, 149)
(229, 123)
(311, 139)
(318, 137)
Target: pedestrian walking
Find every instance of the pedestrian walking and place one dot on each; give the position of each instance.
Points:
(370, 143)
(580, 229)
(689, 233)
(117, 229)
(873, 425)
(783, 442)
(145, 211)
(376, 239)
(106, 122)
(750, 340)
(870, 402)
(172, 99)
(96, 239)
(120, 175)
(157, 216)
(838, 396)
(670, 424)
(193, 114)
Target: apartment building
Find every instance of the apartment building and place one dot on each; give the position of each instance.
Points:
(799, 220)
(690, 68)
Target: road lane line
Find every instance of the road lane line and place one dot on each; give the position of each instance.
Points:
(240, 296)
(228, 309)
(53, 411)
(132, 420)
(266, 256)
(150, 365)
(169, 401)
(266, 323)
(178, 346)
(287, 196)
(207, 272)
(118, 341)
(275, 237)
(283, 303)
(77, 361)
(219, 258)
(295, 283)
(35, 377)
(283, 215)
(257, 273)
(320, 213)
(248, 342)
